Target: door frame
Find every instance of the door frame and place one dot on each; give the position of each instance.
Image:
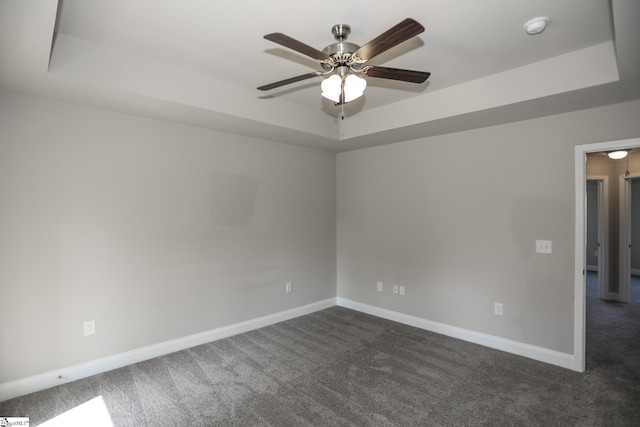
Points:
(603, 234)
(625, 236)
(580, 265)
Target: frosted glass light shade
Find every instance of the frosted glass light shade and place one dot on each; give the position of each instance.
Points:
(617, 155)
(331, 88)
(354, 87)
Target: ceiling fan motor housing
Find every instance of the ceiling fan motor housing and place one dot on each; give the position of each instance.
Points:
(335, 50)
(340, 47)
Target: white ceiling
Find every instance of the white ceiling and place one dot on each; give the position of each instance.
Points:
(199, 62)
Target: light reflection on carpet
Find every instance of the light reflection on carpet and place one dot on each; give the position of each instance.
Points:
(92, 413)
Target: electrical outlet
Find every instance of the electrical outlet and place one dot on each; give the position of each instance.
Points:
(497, 308)
(379, 288)
(401, 290)
(89, 327)
(395, 289)
(289, 288)
(543, 246)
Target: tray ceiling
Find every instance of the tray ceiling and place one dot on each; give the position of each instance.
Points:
(199, 63)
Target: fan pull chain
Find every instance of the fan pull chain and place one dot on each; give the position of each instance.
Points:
(627, 172)
(342, 114)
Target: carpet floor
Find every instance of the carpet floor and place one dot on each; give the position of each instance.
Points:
(339, 367)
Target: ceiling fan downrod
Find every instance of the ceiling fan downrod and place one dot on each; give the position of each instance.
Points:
(341, 32)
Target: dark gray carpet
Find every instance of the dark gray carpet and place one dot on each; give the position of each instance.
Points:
(339, 367)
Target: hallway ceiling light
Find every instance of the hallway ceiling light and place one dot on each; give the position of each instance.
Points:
(617, 155)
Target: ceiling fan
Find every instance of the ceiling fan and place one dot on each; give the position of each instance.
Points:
(345, 62)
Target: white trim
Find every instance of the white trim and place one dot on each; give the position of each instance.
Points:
(531, 351)
(612, 296)
(603, 233)
(579, 310)
(579, 299)
(49, 379)
(625, 273)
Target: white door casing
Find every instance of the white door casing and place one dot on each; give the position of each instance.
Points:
(581, 152)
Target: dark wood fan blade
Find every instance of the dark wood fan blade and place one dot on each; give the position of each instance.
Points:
(397, 74)
(390, 38)
(290, 80)
(286, 41)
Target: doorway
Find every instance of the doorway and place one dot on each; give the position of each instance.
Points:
(629, 233)
(581, 152)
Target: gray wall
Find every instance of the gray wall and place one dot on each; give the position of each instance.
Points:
(155, 230)
(159, 230)
(454, 218)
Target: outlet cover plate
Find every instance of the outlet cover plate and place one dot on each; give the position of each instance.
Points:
(543, 246)
(89, 327)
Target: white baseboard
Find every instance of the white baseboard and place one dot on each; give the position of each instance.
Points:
(612, 296)
(634, 271)
(49, 379)
(531, 351)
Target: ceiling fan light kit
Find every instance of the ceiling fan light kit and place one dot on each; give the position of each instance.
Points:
(351, 85)
(344, 62)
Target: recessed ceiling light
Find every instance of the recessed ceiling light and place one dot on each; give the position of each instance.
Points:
(536, 25)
